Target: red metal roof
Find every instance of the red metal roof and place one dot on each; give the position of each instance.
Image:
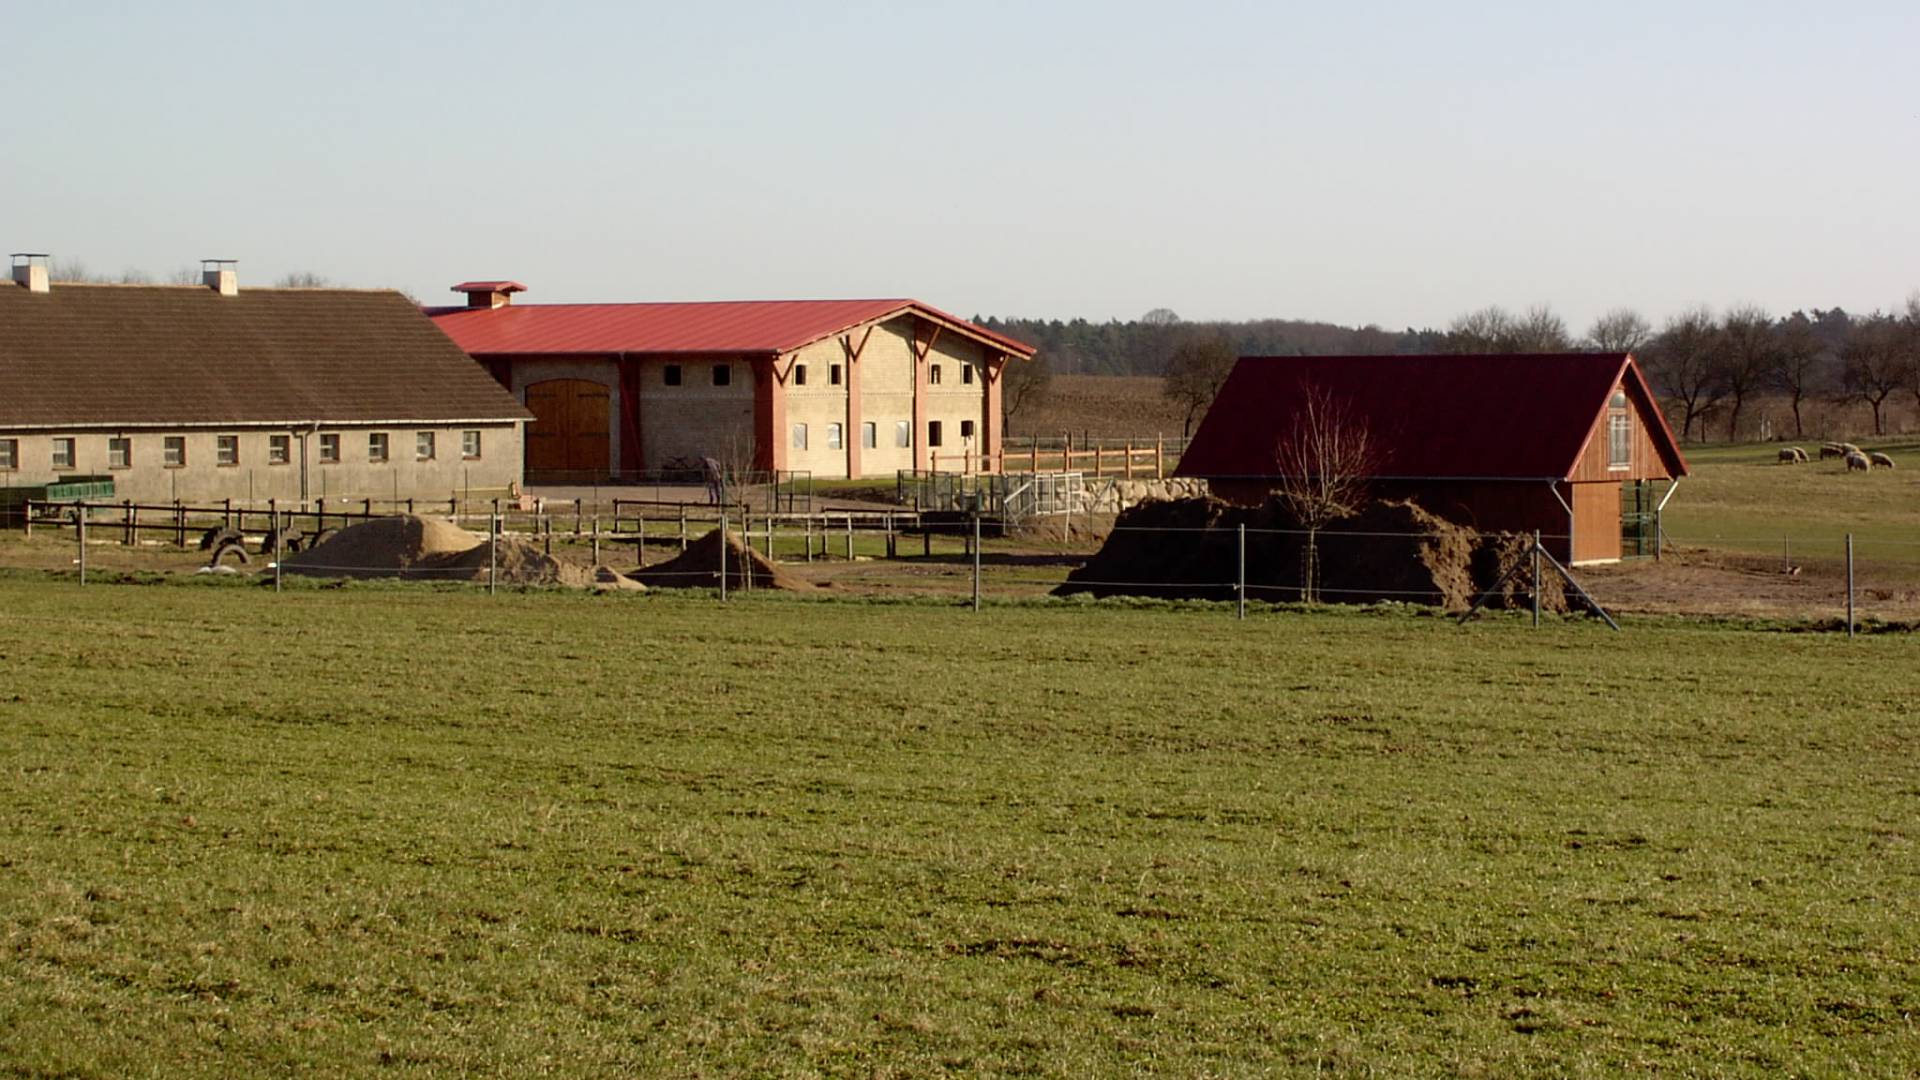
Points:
(734, 327)
(1453, 417)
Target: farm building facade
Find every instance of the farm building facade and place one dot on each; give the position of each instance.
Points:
(1571, 445)
(834, 387)
(213, 392)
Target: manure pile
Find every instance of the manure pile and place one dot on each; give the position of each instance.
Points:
(1189, 548)
(698, 567)
(426, 549)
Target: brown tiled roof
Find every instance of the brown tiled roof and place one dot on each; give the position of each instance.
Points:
(147, 355)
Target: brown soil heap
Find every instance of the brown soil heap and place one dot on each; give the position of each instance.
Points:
(1188, 548)
(698, 567)
(426, 549)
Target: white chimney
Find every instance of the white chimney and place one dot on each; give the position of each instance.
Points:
(30, 269)
(219, 275)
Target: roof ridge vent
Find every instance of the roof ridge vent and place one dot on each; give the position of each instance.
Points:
(220, 276)
(489, 294)
(30, 270)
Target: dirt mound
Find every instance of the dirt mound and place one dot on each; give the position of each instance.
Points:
(607, 579)
(698, 567)
(427, 549)
(1189, 548)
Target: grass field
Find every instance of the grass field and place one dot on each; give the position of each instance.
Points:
(1740, 497)
(343, 829)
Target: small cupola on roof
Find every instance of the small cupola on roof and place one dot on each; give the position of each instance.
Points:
(220, 276)
(30, 270)
(489, 294)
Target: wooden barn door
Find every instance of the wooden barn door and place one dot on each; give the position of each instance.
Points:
(1596, 522)
(568, 437)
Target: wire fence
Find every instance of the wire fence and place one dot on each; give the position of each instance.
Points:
(1845, 582)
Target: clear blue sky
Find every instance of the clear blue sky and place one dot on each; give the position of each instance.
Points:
(1390, 163)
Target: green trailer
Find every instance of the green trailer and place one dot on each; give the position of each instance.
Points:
(14, 500)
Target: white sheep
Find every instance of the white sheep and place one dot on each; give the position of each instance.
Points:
(1857, 462)
(1880, 459)
(1831, 449)
(1792, 455)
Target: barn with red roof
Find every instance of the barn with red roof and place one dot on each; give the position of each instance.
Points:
(1573, 445)
(834, 387)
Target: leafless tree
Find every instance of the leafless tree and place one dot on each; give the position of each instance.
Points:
(1539, 331)
(1681, 362)
(1324, 460)
(1199, 366)
(1619, 330)
(1160, 317)
(1483, 331)
(301, 279)
(1024, 382)
(1799, 364)
(1873, 365)
(1745, 355)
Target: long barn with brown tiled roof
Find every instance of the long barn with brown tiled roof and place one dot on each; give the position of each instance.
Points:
(211, 392)
(1572, 445)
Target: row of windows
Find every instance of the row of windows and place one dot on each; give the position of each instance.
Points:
(226, 449)
(722, 374)
(870, 434)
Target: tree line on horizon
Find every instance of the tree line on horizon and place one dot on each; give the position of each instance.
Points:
(1708, 367)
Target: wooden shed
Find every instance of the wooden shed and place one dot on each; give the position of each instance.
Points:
(1571, 444)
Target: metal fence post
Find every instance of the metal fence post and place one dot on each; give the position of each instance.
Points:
(493, 549)
(596, 539)
(1849, 585)
(1536, 577)
(850, 535)
(976, 558)
(279, 556)
(723, 554)
(80, 535)
(1240, 582)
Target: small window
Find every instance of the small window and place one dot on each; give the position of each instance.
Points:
(833, 374)
(869, 435)
(423, 445)
(63, 453)
(933, 375)
(966, 374)
(470, 445)
(330, 448)
(723, 374)
(226, 449)
(799, 374)
(933, 433)
(966, 429)
(833, 437)
(1619, 441)
(670, 375)
(119, 453)
(799, 436)
(9, 454)
(902, 433)
(173, 451)
(376, 446)
(279, 449)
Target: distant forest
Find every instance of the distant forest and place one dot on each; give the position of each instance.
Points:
(1708, 367)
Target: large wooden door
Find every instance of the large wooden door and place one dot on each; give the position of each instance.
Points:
(569, 433)
(1596, 522)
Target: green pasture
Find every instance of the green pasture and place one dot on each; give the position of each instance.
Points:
(1741, 498)
(419, 830)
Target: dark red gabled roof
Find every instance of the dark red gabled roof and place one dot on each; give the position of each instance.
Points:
(741, 327)
(1433, 417)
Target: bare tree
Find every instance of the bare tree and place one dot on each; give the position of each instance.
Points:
(1619, 330)
(1160, 317)
(1325, 461)
(1798, 365)
(1745, 354)
(301, 279)
(1681, 361)
(1483, 331)
(1873, 365)
(1024, 382)
(1199, 366)
(1538, 331)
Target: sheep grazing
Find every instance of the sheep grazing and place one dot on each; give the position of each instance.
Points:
(1857, 462)
(1851, 449)
(1792, 455)
(1880, 459)
(1831, 449)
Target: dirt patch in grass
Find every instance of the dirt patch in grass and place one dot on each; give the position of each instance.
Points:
(1700, 581)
